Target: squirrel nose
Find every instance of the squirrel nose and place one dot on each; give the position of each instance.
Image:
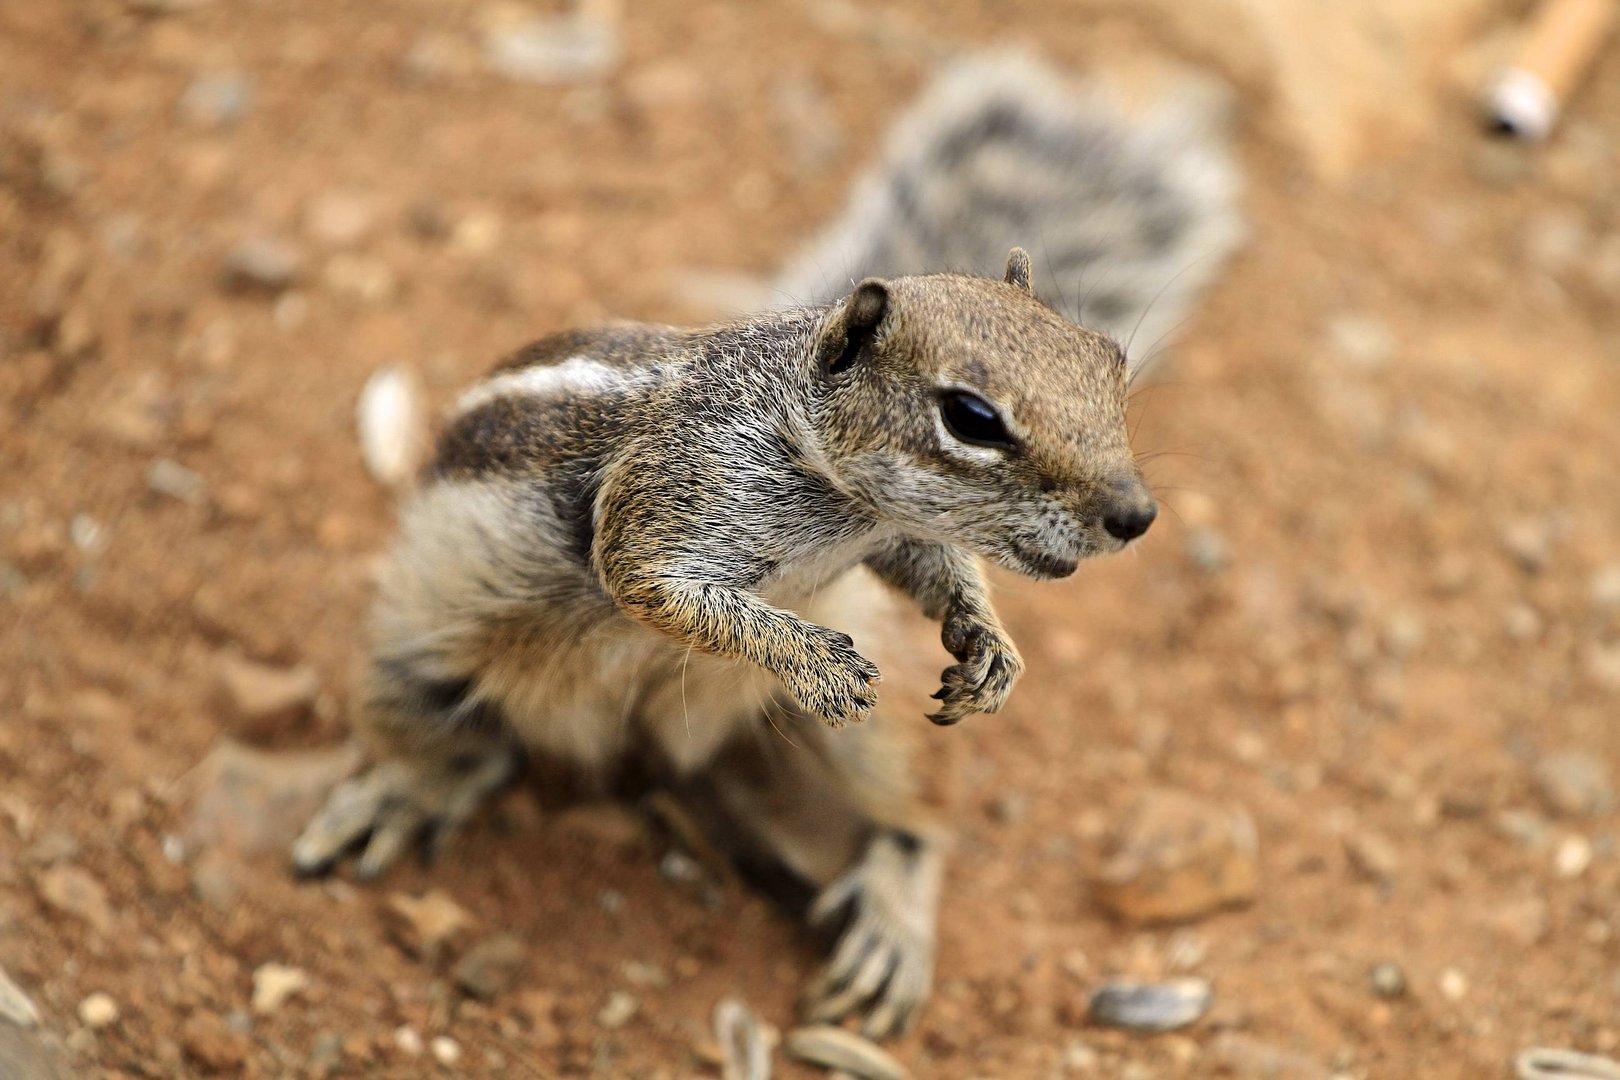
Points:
(1130, 511)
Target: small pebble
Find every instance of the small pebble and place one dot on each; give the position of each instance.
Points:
(75, 891)
(1080, 1058)
(1521, 623)
(426, 925)
(273, 984)
(1546, 1063)
(98, 1010)
(1151, 1007)
(1388, 980)
(680, 868)
(491, 967)
(1362, 342)
(1573, 784)
(259, 700)
(262, 263)
(446, 1050)
(1246, 1056)
(1009, 808)
(1526, 921)
(1524, 827)
(363, 278)
(408, 1039)
(173, 479)
(1453, 984)
(87, 534)
(339, 219)
(834, 1048)
(1573, 856)
(1404, 634)
(556, 49)
(213, 1044)
(1372, 855)
(1178, 856)
(618, 1010)
(1529, 542)
(640, 973)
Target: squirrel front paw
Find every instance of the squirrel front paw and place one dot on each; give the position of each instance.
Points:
(989, 666)
(831, 680)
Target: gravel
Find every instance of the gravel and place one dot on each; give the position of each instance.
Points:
(834, 1048)
(98, 1010)
(1573, 784)
(557, 49)
(1388, 980)
(1151, 1007)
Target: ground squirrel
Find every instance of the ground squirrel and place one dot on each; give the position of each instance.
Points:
(657, 542)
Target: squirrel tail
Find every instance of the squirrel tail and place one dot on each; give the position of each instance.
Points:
(1126, 219)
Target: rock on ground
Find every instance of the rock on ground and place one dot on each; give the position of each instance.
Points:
(1248, 1057)
(834, 1048)
(1151, 1007)
(1574, 784)
(75, 891)
(491, 967)
(259, 699)
(1178, 856)
(274, 984)
(427, 926)
(249, 801)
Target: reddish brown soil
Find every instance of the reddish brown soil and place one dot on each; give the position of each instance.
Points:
(1350, 671)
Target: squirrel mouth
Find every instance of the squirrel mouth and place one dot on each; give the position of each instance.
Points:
(1041, 564)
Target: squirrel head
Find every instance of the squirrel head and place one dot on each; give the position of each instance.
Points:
(965, 410)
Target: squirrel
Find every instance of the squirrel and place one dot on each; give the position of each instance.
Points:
(662, 543)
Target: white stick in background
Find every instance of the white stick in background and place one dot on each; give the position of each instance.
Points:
(1524, 100)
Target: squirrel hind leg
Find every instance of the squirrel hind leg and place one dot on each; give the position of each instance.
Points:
(827, 824)
(886, 908)
(443, 753)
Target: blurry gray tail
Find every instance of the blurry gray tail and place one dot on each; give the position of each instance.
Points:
(1127, 218)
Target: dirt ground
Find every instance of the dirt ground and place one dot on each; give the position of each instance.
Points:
(1383, 598)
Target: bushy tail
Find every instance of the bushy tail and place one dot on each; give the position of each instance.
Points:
(1126, 218)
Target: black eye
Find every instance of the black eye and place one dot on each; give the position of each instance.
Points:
(974, 420)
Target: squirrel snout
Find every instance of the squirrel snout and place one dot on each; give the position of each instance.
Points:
(1128, 509)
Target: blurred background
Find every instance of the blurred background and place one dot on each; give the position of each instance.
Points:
(1379, 623)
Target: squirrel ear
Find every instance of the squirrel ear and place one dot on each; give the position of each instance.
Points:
(851, 334)
(1018, 270)
(867, 305)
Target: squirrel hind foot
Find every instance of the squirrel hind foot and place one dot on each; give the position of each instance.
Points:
(386, 810)
(882, 965)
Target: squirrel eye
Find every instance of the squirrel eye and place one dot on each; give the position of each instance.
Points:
(974, 420)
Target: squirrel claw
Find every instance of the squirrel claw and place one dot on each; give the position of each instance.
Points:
(836, 683)
(989, 666)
